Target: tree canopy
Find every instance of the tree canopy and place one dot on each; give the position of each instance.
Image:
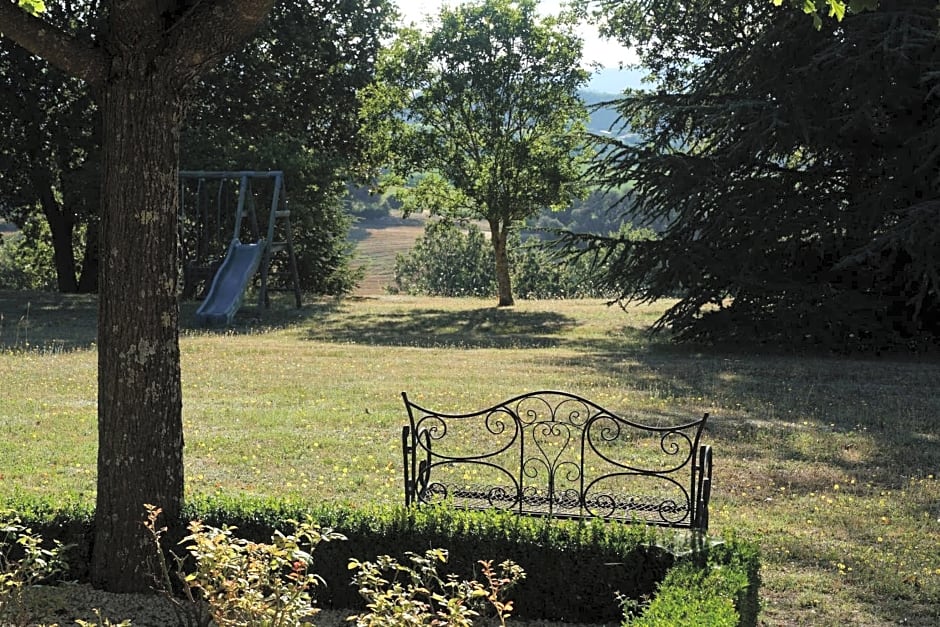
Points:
(285, 100)
(484, 107)
(797, 171)
(50, 154)
(835, 8)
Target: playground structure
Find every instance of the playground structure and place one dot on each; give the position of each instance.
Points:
(219, 260)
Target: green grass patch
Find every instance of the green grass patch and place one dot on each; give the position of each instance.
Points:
(830, 463)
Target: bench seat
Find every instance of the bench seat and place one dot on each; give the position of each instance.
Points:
(482, 497)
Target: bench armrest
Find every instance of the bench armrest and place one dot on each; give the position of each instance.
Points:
(703, 488)
(416, 473)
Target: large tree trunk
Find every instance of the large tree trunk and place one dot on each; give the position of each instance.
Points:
(499, 235)
(138, 65)
(140, 431)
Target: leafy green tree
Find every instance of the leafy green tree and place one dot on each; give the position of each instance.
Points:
(25, 259)
(447, 260)
(362, 203)
(49, 154)
(140, 61)
(287, 101)
(454, 260)
(835, 8)
(243, 116)
(485, 106)
(143, 63)
(796, 170)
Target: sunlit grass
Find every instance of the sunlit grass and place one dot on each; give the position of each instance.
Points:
(831, 463)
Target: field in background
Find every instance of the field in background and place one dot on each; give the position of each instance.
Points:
(377, 243)
(830, 463)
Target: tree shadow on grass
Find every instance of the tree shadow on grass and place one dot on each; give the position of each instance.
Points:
(795, 409)
(47, 321)
(874, 420)
(487, 327)
(812, 426)
(52, 322)
(252, 320)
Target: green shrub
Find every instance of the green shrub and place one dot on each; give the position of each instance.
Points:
(591, 561)
(26, 258)
(537, 274)
(447, 261)
(24, 562)
(715, 587)
(69, 524)
(398, 594)
(239, 582)
(450, 260)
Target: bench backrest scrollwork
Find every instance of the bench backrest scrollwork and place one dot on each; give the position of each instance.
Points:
(557, 454)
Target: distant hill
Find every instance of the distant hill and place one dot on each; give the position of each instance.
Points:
(605, 120)
(614, 80)
(602, 120)
(609, 84)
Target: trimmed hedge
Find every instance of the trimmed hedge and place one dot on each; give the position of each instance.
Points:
(575, 570)
(717, 586)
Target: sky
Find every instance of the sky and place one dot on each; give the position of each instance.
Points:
(608, 53)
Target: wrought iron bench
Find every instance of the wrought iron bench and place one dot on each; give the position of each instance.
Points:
(556, 454)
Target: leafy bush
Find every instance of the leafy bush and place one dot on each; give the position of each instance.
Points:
(424, 598)
(361, 203)
(692, 596)
(447, 261)
(236, 582)
(26, 258)
(538, 274)
(716, 586)
(450, 260)
(242, 582)
(591, 561)
(23, 563)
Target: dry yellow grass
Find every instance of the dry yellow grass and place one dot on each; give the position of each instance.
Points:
(377, 243)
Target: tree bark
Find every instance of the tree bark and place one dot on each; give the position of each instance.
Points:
(140, 431)
(499, 235)
(139, 66)
(88, 280)
(63, 255)
(61, 228)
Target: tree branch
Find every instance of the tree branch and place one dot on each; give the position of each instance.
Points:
(77, 57)
(211, 29)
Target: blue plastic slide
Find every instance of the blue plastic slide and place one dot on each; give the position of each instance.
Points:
(228, 285)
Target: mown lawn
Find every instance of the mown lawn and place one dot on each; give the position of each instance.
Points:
(831, 463)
